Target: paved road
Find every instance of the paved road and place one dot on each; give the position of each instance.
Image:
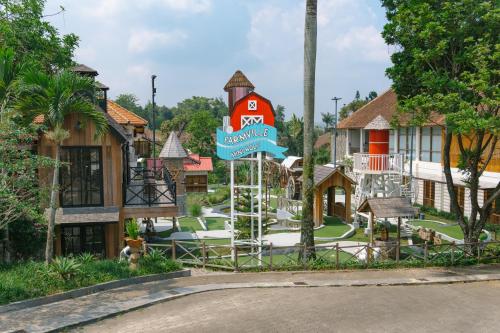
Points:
(471, 307)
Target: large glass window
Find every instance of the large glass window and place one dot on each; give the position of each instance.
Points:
(81, 177)
(430, 144)
(392, 149)
(405, 142)
(83, 238)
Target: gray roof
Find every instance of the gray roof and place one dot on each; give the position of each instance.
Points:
(173, 148)
(322, 172)
(86, 215)
(81, 68)
(388, 207)
(379, 123)
(99, 85)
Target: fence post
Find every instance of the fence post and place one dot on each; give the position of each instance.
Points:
(453, 253)
(204, 253)
(235, 258)
(270, 256)
(337, 252)
(368, 254)
(426, 253)
(173, 250)
(397, 252)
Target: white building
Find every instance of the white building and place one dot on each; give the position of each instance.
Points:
(427, 167)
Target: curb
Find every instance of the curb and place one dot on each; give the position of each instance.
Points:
(91, 290)
(179, 292)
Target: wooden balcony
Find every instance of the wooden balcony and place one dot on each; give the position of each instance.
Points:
(378, 163)
(149, 193)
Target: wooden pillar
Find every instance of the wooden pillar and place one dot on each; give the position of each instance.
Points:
(331, 201)
(347, 194)
(372, 242)
(318, 207)
(399, 236)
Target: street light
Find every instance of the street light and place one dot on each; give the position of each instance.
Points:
(336, 99)
(153, 93)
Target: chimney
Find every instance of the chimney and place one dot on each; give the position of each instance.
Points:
(102, 95)
(237, 87)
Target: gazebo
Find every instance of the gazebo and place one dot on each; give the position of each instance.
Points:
(327, 179)
(391, 207)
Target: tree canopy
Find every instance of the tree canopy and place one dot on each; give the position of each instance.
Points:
(447, 61)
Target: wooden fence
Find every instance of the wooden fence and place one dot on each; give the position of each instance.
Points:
(269, 257)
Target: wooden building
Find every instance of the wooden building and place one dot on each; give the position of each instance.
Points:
(99, 187)
(196, 169)
(326, 181)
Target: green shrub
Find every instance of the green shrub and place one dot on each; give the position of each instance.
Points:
(132, 228)
(195, 210)
(86, 258)
(64, 267)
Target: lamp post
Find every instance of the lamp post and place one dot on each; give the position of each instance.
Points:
(336, 99)
(153, 93)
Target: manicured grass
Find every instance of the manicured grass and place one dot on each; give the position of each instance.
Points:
(273, 203)
(166, 233)
(333, 228)
(453, 230)
(31, 279)
(215, 223)
(189, 224)
(217, 241)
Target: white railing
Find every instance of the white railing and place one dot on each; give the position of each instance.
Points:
(378, 163)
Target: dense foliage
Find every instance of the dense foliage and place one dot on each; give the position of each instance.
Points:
(446, 62)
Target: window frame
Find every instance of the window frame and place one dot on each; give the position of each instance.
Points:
(429, 195)
(432, 145)
(100, 184)
(82, 228)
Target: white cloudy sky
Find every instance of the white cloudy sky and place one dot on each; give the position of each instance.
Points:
(194, 46)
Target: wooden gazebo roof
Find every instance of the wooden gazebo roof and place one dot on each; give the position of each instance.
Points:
(321, 173)
(238, 80)
(388, 207)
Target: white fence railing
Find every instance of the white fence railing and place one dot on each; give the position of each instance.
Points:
(378, 163)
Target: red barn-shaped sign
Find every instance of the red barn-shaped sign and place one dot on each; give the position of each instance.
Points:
(252, 109)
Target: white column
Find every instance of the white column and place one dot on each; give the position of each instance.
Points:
(417, 147)
(347, 140)
(396, 142)
(232, 211)
(259, 203)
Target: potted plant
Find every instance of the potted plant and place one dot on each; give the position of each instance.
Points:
(133, 240)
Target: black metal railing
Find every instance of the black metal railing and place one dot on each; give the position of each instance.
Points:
(148, 187)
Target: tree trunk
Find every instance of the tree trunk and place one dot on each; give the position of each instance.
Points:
(310, 36)
(6, 245)
(49, 247)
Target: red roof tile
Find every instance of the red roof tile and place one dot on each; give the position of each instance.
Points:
(123, 116)
(205, 163)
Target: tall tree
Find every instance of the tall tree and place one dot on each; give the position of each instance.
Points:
(328, 119)
(55, 97)
(23, 28)
(347, 109)
(447, 61)
(310, 38)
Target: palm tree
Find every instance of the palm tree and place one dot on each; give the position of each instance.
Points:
(296, 134)
(328, 119)
(310, 36)
(55, 97)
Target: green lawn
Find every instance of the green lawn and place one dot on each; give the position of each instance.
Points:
(215, 223)
(190, 224)
(333, 228)
(453, 231)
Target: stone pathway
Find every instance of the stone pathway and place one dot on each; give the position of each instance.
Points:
(86, 309)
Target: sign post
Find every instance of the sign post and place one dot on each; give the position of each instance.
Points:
(253, 120)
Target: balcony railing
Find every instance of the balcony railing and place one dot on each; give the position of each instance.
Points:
(145, 187)
(378, 163)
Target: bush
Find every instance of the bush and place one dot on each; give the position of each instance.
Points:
(195, 210)
(64, 267)
(155, 262)
(132, 229)
(86, 258)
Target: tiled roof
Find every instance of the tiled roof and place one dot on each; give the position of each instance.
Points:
(322, 172)
(388, 207)
(384, 106)
(323, 140)
(173, 148)
(203, 163)
(238, 80)
(123, 116)
(81, 68)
